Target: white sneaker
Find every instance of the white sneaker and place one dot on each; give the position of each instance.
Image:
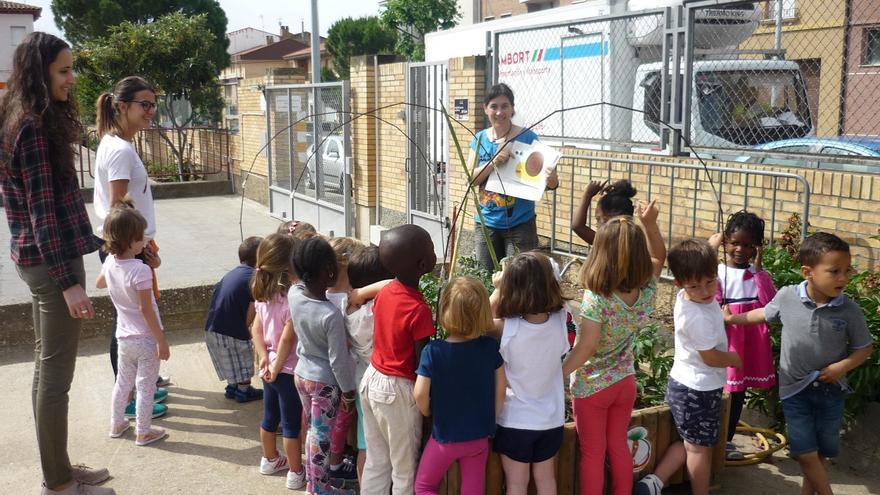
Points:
(295, 481)
(273, 466)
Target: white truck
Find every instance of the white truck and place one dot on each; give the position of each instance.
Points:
(568, 57)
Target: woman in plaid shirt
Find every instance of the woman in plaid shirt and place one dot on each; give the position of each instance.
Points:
(50, 233)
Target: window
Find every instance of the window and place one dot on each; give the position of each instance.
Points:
(17, 34)
(230, 98)
(789, 10)
(871, 46)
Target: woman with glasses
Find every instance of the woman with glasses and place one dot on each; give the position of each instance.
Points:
(119, 171)
(50, 233)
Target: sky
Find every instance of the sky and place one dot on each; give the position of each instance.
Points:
(260, 14)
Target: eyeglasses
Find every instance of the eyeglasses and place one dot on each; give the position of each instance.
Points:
(145, 104)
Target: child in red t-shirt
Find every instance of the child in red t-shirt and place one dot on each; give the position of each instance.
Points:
(402, 325)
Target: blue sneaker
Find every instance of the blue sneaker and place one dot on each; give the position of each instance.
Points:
(160, 395)
(230, 391)
(248, 394)
(159, 410)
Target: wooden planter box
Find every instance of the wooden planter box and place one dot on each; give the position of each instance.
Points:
(653, 430)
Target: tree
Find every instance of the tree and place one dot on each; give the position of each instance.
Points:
(351, 37)
(173, 53)
(88, 20)
(415, 18)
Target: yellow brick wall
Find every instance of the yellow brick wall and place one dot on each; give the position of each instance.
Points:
(391, 189)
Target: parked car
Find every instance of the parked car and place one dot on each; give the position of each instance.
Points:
(332, 163)
(832, 146)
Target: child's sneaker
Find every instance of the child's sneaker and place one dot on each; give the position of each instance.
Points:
(160, 395)
(649, 485)
(154, 434)
(247, 395)
(295, 481)
(273, 466)
(345, 471)
(732, 454)
(230, 391)
(163, 381)
(159, 410)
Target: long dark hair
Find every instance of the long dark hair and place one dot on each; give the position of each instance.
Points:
(28, 98)
(107, 106)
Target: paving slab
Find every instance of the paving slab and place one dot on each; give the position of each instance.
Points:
(198, 240)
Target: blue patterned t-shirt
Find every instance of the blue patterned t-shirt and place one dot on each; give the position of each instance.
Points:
(499, 210)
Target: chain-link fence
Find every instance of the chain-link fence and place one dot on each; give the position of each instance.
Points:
(786, 76)
(577, 67)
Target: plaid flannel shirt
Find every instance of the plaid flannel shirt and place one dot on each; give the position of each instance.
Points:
(47, 217)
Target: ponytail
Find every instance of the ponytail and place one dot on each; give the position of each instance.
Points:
(107, 106)
(105, 114)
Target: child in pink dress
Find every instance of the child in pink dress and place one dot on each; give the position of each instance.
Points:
(742, 287)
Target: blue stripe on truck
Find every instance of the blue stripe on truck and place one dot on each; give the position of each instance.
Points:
(578, 51)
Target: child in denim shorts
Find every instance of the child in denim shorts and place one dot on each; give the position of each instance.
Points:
(824, 336)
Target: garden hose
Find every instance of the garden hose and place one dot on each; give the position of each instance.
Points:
(768, 447)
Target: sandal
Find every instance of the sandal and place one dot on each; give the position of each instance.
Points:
(120, 429)
(154, 435)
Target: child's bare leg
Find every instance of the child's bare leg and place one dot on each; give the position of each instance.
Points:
(293, 451)
(673, 459)
(267, 440)
(699, 463)
(815, 474)
(545, 476)
(362, 460)
(516, 476)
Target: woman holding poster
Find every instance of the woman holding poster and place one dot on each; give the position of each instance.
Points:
(509, 220)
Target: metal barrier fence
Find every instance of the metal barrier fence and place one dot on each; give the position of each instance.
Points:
(203, 151)
(747, 74)
(688, 205)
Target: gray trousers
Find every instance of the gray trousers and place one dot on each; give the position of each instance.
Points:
(507, 242)
(56, 336)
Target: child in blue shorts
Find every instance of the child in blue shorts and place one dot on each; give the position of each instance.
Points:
(824, 336)
(699, 372)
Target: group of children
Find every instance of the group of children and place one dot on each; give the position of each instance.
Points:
(341, 331)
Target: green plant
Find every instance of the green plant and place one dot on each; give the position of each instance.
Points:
(651, 350)
(431, 286)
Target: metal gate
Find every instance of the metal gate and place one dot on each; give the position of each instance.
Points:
(426, 160)
(309, 154)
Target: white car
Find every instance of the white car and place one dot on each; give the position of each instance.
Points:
(332, 163)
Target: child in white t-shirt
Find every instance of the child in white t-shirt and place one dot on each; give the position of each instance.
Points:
(138, 328)
(531, 321)
(699, 371)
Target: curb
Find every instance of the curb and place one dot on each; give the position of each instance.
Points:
(180, 309)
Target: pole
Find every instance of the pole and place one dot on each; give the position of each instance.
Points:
(316, 45)
(778, 32)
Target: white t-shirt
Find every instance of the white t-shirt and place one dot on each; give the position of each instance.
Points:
(360, 337)
(698, 327)
(117, 160)
(124, 279)
(359, 325)
(532, 352)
